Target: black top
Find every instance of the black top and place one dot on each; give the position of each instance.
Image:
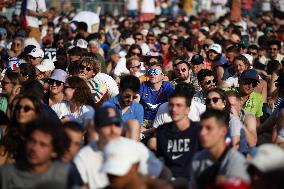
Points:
(178, 147)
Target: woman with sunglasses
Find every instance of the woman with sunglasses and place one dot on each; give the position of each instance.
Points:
(79, 104)
(56, 87)
(217, 99)
(10, 88)
(26, 110)
(133, 64)
(17, 47)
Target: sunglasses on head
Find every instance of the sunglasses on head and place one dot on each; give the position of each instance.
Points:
(26, 108)
(213, 81)
(82, 67)
(214, 99)
(52, 81)
(154, 72)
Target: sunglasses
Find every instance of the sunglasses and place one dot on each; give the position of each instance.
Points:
(3, 83)
(129, 96)
(174, 39)
(138, 39)
(136, 66)
(154, 72)
(67, 87)
(214, 99)
(82, 67)
(209, 82)
(17, 44)
(134, 53)
(26, 108)
(252, 53)
(273, 49)
(52, 81)
(31, 57)
(249, 82)
(183, 70)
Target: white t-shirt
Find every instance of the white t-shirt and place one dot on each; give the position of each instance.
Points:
(148, 6)
(232, 81)
(84, 114)
(163, 115)
(37, 6)
(145, 48)
(89, 160)
(120, 67)
(132, 5)
(110, 83)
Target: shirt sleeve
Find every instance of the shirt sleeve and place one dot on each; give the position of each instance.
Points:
(149, 164)
(41, 5)
(235, 126)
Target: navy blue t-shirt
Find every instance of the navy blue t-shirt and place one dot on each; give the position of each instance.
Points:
(151, 100)
(178, 147)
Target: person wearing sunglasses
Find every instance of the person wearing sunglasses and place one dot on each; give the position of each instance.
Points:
(217, 99)
(133, 64)
(154, 92)
(273, 52)
(79, 103)
(182, 70)
(56, 87)
(101, 85)
(10, 84)
(27, 109)
(139, 40)
(35, 57)
(127, 104)
(206, 81)
(252, 101)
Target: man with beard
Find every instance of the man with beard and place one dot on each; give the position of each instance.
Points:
(182, 69)
(125, 102)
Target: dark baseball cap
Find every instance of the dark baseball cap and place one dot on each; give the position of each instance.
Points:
(107, 115)
(249, 74)
(197, 59)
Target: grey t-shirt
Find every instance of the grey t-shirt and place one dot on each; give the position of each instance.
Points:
(233, 165)
(235, 125)
(14, 177)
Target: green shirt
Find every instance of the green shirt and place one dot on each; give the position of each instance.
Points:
(3, 104)
(254, 104)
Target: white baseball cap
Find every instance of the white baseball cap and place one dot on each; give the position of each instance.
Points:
(46, 65)
(248, 57)
(216, 47)
(82, 43)
(119, 156)
(268, 157)
(37, 52)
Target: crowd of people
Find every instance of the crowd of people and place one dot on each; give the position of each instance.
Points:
(142, 101)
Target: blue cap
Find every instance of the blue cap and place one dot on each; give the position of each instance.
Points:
(197, 59)
(249, 74)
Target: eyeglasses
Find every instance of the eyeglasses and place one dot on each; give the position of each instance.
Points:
(52, 81)
(31, 57)
(209, 82)
(183, 70)
(138, 39)
(273, 49)
(129, 96)
(154, 72)
(82, 67)
(3, 83)
(67, 87)
(134, 53)
(26, 108)
(135, 67)
(214, 99)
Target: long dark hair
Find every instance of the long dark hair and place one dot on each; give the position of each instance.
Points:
(82, 94)
(224, 97)
(14, 140)
(134, 46)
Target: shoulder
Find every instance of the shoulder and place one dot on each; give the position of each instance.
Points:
(256, 96)
(167, 84)
(202, 155)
